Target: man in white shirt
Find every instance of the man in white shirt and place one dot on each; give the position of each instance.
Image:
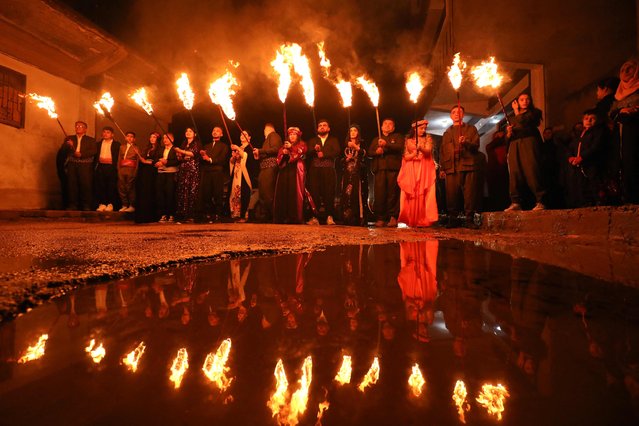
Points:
(106, 171)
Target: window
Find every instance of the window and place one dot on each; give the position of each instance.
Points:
(12, 88)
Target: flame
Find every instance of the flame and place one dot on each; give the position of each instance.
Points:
(416, 381)
(303, 69)
(414, 85)
(105, 103)
(321, 408)
(346, 92)
(36, 351)
(455, 71)
(459, 396)
(185, 92)
(492, 398)
(299, 400)
(221, 92)
(140, 98)
(486, 74)
(371, 376)
(278, 399)
(44, 102)
(324, 62)
(97, 353)
(215, 368)
(132, 359)
(234, 64)
(370, 88)
(344, 374)
(179, 367)
(282, 68)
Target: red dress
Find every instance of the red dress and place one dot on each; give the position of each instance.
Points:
(417, 202)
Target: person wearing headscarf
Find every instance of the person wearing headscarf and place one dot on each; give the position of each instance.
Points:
(288, 206)
(354, 195)
(625, 112)
(524, 154)
(416, 180)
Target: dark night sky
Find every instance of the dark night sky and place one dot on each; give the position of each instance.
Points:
(199, 37)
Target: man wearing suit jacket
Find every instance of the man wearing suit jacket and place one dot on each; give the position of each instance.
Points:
(267, 156)
(106, 171)
(80, 150)
(214, 156)
(323, 149)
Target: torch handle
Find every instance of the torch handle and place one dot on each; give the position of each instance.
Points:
(63, 131)
(501, 102)
(314, 120)
(225, 125)
(379, 128)
(284, 134)
(348, 114)
(241, 133)
(160, 126)
(194, 125)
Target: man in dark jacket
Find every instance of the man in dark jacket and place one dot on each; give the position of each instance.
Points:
(267, 156)
(323, 149)
(80, 150)
(106, 171)
(387, 154)
(463, 165)
(215, 156)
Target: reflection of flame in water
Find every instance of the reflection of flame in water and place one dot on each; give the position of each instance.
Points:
(486, 74)
(324, 61)
(414, 86)
(36, 351)
(416, 381)
(179, 367)
(346, 92)
(44, 102)
(459, 396)
(492, 398)
(278, 399)
(105, 103)
(215, 368)
(185, 92)
(140, 98)
(371, 376)
(221, 92)
(370, 88)
(97, 353)
(455, 71)
(133, 358)
(344, 374)
(299, 400)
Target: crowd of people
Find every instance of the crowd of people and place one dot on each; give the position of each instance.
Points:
(414, 177)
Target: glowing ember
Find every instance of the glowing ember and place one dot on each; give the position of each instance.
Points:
(44, 102)
(215, 368)
(105, 103)
(322, 407)
(133, 358)
(344, 374)
(459, 397)
(185, 92)
(346, 92)
(179, 367)
(416, 381)
(486, 74)
(414, 85)
(371, 376)
(221, 92)
(492, 398)
(278, 399)
(324, 62)
(299, 400)
(36, 351)
(282, 67)
(456, 71)
(370, 88)
(140, 98)
(97, 352)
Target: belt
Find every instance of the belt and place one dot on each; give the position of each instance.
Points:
(269, 162)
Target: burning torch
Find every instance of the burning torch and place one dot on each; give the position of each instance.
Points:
(46, 103)
(140, 98)
(186, 95)
(414, 86)
(373, 93)
(103, 107)
(282, 67)
(486, 75)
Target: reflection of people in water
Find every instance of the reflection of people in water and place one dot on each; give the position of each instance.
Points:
(185, 280)
(418, 280)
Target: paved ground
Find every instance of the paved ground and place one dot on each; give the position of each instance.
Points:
(41, 257)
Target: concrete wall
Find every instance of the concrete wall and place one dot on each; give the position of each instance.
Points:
(577, 42)
(28, 177)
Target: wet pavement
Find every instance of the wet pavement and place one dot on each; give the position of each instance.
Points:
(564, 346)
